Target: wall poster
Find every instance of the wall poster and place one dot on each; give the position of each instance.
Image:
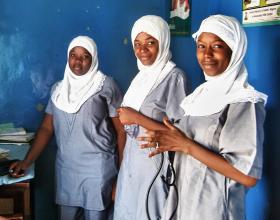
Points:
(261, 12)
(180, 20)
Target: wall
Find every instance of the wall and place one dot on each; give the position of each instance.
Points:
(34, 39)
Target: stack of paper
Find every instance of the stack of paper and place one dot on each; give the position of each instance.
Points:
(4, 153)
(9, 133)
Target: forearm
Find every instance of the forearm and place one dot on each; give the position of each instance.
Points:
(148, 123)
(43, 135)
(121, 139)
(39, 144)
(219, 164)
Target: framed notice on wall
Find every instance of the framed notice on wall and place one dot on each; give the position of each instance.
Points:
(180, 20)
(261, 12)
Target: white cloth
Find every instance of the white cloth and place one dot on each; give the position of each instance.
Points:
(70, 93)
(231, 86)
(149, 76)
(182, 10)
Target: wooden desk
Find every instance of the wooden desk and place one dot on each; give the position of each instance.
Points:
(15, 192)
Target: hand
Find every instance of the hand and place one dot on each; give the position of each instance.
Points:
(127, 115)
(166, 140)
(17, 169)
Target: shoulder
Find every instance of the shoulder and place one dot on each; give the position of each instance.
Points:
(247, 109)
(176, 71)
(178, 78)
(55, 86)
(111, 89)
(109, 82)
(246, 105)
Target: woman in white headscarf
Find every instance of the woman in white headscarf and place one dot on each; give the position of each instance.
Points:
(155, 92)
(82, 112)
(218, 142)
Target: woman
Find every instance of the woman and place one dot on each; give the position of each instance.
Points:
(82, 112)
(155, 92)
(219, 144)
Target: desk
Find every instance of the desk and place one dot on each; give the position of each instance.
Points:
(15, 192)
(17, 151)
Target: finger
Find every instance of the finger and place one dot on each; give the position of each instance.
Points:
(13, 165)
(150, 133)
(168, 124)
(16, 173)
(154, 152)
(146, 138)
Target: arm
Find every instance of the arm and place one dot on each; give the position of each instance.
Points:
(121, 137)
(44, 134)
(130, 116)
(175, 140)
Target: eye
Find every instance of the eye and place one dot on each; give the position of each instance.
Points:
(200, 46)
(217, 46)
(150, 43)
(86, 57)
(71, 55)
(136, 44)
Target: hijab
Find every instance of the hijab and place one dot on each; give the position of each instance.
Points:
(149, 77)
(231, 86)
(71, 93)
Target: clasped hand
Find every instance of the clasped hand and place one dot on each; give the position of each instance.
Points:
(171, 139)
(127, 115)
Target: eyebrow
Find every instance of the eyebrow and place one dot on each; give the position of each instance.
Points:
(216, 41)
(146, 39)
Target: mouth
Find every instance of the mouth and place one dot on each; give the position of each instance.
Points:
(144, 58)
(77, 67)
(209, 64)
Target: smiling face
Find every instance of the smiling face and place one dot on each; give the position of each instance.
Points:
(213, 54)
(79, 60)
(146, 48)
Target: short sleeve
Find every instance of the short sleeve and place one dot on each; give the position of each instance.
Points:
(113, 97)
(242, 137)
(50, 105)
(179, 88)
(49, 108)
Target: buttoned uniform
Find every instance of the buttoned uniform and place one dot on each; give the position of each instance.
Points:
(137, 169)
(86, 160)
(236, 133)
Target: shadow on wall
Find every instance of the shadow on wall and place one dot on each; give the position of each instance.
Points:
(272, 139)
(263, 200)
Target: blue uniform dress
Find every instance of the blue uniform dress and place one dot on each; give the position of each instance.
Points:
(86, 160)
(137, 169)
(236, 133)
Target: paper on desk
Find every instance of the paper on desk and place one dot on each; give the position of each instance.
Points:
(4, 153)
(17, 138)
(29, 174)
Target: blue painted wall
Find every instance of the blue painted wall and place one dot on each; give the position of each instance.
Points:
(34, 36)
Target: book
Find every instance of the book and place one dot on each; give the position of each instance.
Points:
(18, 138)
(12, 131)
(4, 153)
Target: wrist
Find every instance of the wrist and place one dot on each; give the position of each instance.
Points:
(26, 163)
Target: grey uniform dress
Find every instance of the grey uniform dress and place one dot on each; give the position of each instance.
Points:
(137, 169)
(236, 133)
(86, 158)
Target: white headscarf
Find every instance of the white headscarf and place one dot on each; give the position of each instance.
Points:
(149, 77)
(71, 93)
(231, 86)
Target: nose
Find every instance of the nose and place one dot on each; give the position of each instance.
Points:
(208, 52)
(143, 48)
(78, 60)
